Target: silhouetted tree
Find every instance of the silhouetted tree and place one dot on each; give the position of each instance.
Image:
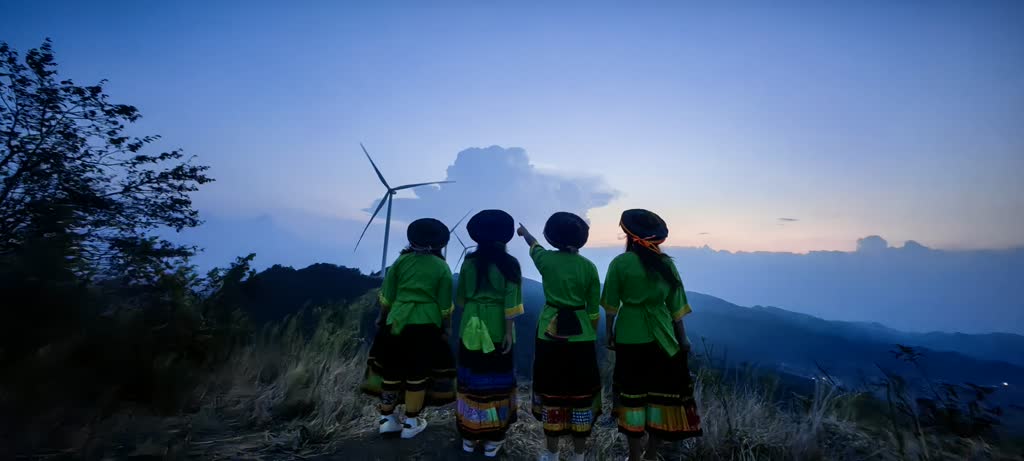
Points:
(64, 152)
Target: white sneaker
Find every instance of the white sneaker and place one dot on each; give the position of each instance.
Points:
(491, 449)
(468, 446)
(389, 424)
(413, 426)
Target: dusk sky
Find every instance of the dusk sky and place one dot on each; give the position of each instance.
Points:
(903, 119)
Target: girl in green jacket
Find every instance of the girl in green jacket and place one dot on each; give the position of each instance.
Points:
(645, 302)
(410, 353)
(491, 296)
(566, 381)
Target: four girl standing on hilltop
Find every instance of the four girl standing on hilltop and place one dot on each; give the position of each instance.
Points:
(643, 298)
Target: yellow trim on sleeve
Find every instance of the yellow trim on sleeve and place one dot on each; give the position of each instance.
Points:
(514, 311)
(610, 309)
(383, 301)
(682, 312)
(595, 315)
(447, 312)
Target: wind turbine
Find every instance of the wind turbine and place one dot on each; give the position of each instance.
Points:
(456, 227)
(387, 198)
(465, 249)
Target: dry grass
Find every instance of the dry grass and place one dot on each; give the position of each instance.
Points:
(297, 392)
(289, 397)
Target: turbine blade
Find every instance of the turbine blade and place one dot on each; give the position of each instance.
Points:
(458, 265)
(382, 202)
(456, 226)
(410, 186)
(460, 241)
(379, 175)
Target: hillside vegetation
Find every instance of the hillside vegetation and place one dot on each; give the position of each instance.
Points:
(301, 393)
(290, 388)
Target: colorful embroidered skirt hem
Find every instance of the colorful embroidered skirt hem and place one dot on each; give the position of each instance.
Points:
(486, 397)
(654, 393)
(566, 387)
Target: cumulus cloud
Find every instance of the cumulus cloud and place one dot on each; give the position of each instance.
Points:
(503, 178)
(872, 244)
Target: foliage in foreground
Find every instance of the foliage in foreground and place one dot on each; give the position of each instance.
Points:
(117, 349)
(99, 312)
(294, 391)
(302, 396)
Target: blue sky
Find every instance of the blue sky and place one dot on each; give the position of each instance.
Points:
(895, 118)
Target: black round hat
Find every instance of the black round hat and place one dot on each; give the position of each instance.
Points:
(491, 226)
(566, 231)
(645, 225)
(427, 233)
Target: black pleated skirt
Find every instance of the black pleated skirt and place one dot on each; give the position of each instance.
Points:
(402, 362)
(654, 393)
(566, 387)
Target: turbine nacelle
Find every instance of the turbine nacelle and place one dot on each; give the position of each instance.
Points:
(452, 230)
(387, 198)
(465, 250)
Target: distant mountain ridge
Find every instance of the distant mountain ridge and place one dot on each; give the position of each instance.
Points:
(1007, 347)
(769, 337)
(774, 337)
(909, 287)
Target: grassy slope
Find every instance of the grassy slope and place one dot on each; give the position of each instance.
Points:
(286, 395)
(294, 392)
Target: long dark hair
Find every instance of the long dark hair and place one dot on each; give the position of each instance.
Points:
(488, 254)
(655, 263)
(433, 251)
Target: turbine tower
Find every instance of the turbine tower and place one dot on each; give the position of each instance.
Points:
(391, 191)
